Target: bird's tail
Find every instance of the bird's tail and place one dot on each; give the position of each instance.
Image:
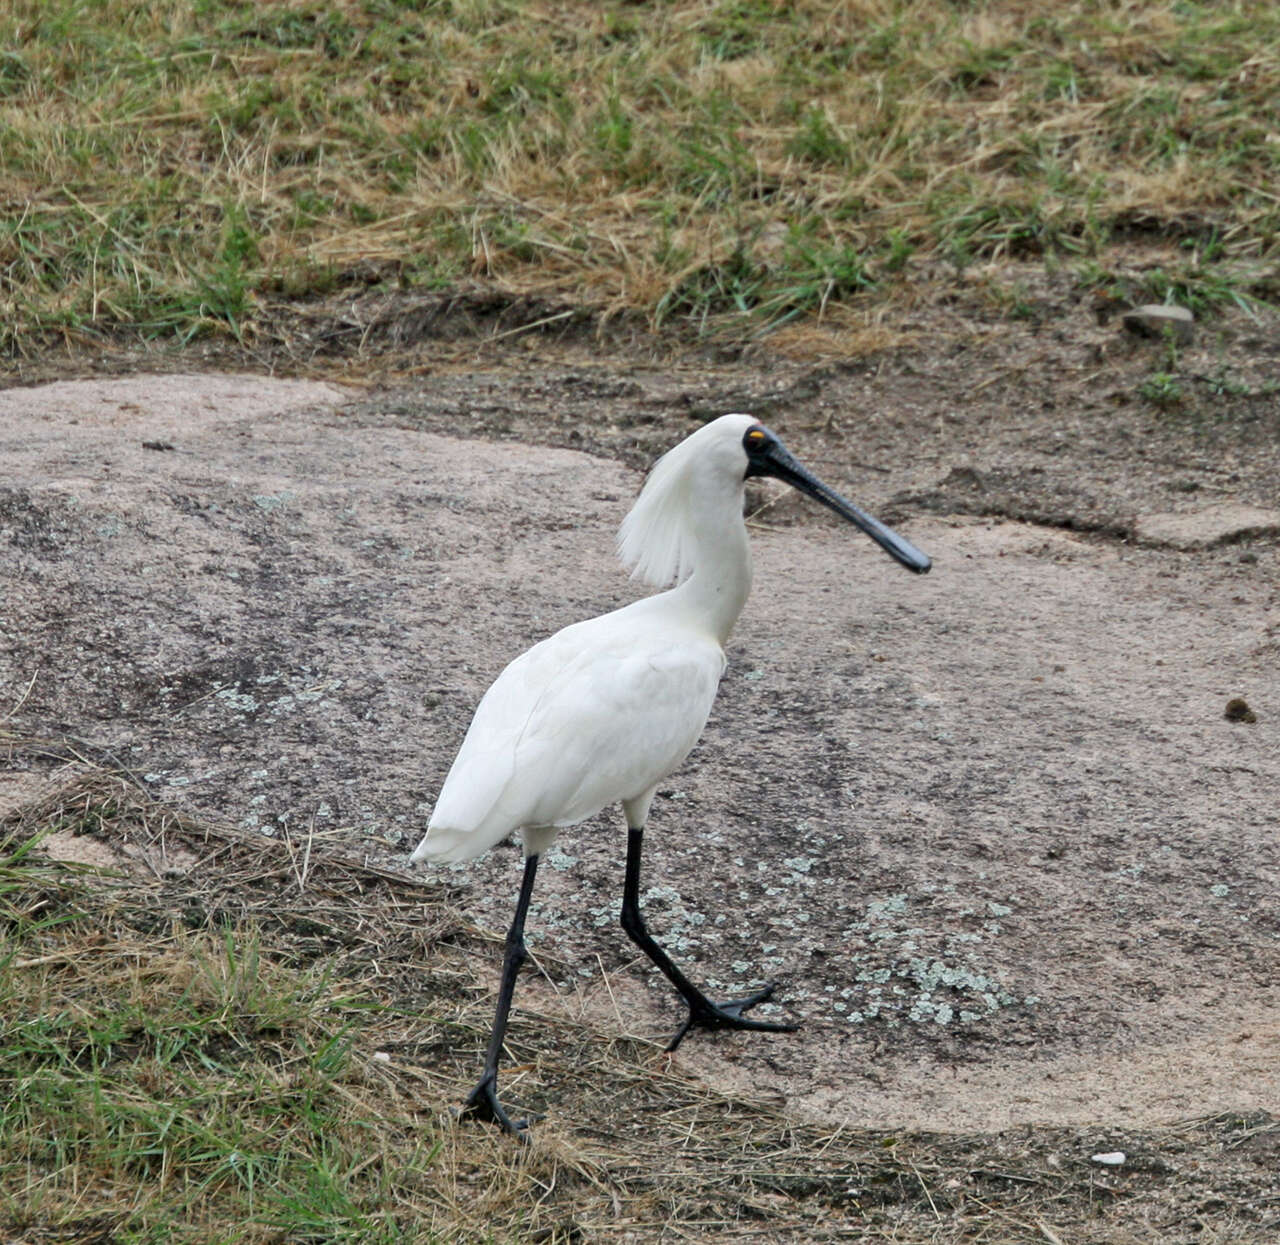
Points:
(441, 846)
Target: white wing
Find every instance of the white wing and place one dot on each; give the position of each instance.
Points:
(599, 712)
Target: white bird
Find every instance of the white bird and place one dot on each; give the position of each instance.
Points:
(603, 711)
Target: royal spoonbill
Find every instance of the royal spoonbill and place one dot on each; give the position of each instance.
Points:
(601, 712)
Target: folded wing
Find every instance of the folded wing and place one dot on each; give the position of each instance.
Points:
(600, 712)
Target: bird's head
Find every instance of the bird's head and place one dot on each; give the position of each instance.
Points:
(659, 535)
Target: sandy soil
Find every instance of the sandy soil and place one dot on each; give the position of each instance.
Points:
(989, 829)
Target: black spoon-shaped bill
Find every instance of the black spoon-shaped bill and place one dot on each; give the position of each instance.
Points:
(767, 456)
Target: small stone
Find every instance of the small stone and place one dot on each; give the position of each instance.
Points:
(1238, 710)
(1157, 319)
(1113, 1158)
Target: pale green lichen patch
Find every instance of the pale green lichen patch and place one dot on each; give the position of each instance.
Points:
(298, 692)
(894, 983)
(273, 501)
(559, 859)
(236, 700)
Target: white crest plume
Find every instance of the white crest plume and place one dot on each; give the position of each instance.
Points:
(656, 541)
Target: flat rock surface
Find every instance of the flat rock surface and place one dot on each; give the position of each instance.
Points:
(1213, 525)
(988, 828)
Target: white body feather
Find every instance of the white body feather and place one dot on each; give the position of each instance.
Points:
(602, 711)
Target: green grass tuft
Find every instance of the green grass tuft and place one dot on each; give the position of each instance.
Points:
(197, 1072)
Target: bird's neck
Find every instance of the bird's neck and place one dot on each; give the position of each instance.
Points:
(717, 589)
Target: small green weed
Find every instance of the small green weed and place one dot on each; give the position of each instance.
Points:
(1223, 386)
(818, 141)
(1163, 389)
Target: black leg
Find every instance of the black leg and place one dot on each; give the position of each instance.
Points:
(483, 1102)
(703, 1013)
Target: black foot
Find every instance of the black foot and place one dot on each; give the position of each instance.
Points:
(482, 1104)
(704, 1014)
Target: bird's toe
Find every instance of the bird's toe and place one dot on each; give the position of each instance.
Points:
(482, 1104)
(704, 1014)
(736, 1007)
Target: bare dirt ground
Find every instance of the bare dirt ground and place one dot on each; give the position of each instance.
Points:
(990, 830)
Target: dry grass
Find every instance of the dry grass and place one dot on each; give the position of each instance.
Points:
(176, 169)
(262, 1041)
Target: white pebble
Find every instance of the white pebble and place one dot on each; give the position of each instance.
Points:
(1113, 1158)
